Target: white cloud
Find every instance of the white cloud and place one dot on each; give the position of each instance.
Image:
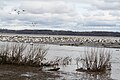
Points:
(108, 6)
(41, 7)
(115, 13)
(112, 1)
(61, 14)
(2, 4)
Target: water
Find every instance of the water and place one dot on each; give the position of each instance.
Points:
(74, 52)
(69, 72)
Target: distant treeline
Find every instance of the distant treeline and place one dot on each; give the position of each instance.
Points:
(60, 32)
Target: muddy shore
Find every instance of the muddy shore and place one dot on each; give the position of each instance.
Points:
(11, 72)
(94, 41)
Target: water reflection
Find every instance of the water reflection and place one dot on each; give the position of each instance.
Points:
(69, 73)
(83, 76)
(94, 76)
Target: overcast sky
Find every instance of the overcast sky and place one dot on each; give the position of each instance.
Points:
(76, 15)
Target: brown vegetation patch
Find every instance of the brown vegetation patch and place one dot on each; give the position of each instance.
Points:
(12, 72)
(95, 60)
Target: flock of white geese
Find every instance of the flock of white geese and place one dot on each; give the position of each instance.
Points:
(74, 40)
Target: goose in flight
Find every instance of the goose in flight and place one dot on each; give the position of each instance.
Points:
(18, 11)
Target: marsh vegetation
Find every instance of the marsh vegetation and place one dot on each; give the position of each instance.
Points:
(20, 54)
(94, 60)
(32, 55)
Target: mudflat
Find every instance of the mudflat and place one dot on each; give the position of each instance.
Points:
(12, 72)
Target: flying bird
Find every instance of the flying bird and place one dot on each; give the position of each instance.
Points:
(18, 12)
(15, 9)
(23, 10)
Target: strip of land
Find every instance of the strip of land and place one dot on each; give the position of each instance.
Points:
(61, 32)
(95, 41)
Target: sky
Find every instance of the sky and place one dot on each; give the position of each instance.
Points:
(69, 15)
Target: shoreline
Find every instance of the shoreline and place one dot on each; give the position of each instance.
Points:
(107, 42)
(14, 72)
(46, 35)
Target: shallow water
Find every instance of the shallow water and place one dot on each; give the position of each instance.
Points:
(69, 73)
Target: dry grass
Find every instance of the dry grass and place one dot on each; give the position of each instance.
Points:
(95, 60)
(56, 62)
(15, 54)
(66, 61)
(33, 55)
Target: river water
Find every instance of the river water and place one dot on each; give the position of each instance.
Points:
(69, 72)
(74, 52)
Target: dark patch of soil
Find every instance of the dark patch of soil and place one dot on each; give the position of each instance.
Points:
(11, 72)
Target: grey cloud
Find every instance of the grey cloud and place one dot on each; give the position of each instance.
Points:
(2, 4)
(100, 23)
(86, 14)
(61, 14)
(112, 1)
(107, 6)
(39, 7)
(115, 13)
(101, 4)
(99, 14)
(41, 19)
